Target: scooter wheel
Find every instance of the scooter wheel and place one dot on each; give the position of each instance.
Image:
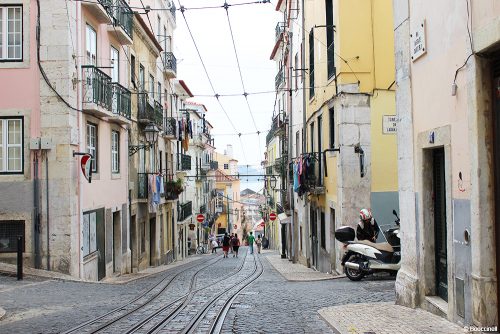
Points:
(353, 274)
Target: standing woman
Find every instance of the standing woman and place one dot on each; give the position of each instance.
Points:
(236, 245)
(259, 243)
(225, 244)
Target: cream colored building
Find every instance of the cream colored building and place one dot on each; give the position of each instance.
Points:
(448, 107)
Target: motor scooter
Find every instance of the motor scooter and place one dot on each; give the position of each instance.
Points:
(363, 257)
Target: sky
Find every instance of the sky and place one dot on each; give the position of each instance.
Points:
(253, 28)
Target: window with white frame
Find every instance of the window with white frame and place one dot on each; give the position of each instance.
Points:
(92, 144)
(11, 33)
(115, 152)
(91, 46)
(115, 64)
(151, 88)
(11, 145)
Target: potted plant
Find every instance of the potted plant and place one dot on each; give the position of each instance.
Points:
(173, 188)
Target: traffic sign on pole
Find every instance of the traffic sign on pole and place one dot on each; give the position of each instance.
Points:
(200, 218)
(272, 216)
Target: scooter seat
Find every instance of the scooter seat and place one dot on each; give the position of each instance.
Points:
(382, 246)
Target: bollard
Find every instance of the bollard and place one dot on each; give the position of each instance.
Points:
(19, 258)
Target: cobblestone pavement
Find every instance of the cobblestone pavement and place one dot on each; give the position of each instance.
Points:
(270, 304)
(386, 318)
(274, 305)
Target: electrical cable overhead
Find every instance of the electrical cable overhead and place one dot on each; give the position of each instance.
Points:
(182, 9)
(148, 9)
(226, 6)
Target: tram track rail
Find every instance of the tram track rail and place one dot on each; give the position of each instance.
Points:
(194, 322)
(182, 301)
(87, 327)
(216, 325)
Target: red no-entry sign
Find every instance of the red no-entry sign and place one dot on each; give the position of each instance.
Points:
(200, 218)
(272, 216)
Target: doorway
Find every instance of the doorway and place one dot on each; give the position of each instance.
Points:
(314, 237)
(101, 244)
(152, 243)
(440, 233)
(116, 242)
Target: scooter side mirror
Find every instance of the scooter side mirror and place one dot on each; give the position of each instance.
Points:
(394, 213)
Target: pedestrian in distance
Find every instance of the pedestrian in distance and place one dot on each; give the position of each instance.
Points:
(259, 244)
(225, 244)
(231, 243)
(250, 240)
(236, 245)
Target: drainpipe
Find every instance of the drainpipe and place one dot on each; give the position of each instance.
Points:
(304, 120)
(290, 153)
(36, 209)
(48, 208)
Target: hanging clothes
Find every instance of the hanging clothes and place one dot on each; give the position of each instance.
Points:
(156, 194)
(295, 177)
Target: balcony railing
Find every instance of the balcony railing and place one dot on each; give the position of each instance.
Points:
(142, 185)
(280, 28)
(149, 111)
(173, 10)
(96, 87)
(214, 165)
(269, 170)
(169, 62)
(203, 208)
(185, 162)
(279, 79)
(158, 114)
(121, 100)
(184, 211)
(122, 15)
(170, 127)
(314, 172)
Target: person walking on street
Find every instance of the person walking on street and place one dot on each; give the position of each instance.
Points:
(231, 243)
(250, 240)
(259, 244)
(236, 245)
(225, 244)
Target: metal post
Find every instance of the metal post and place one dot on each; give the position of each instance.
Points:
(19, 258)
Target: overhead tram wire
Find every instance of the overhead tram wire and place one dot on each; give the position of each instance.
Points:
(226, 6)
(182, 9)
(185, 8)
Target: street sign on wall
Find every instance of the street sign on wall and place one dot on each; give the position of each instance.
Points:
(200, 218)
(272, 216)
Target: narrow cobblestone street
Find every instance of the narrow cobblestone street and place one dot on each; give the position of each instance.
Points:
(194, 297)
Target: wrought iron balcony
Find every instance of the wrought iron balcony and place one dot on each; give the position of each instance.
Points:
(279, 79)
(185, 162)
(142, 185)
(172, 188)
(158, 114)
(184, 211)
(280, 28)
(149, 111)
(173, 10)
(314, 173)
(269, 170)
(203, 208)
(96, 89)
(169, 64)
(170, 127)
(100, 10)
(214, 165)
(122, 21)
(120, 100)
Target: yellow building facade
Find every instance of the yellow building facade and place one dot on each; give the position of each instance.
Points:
(349, 121)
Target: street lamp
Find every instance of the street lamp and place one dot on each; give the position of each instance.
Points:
(151, 132)
(272, 182)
